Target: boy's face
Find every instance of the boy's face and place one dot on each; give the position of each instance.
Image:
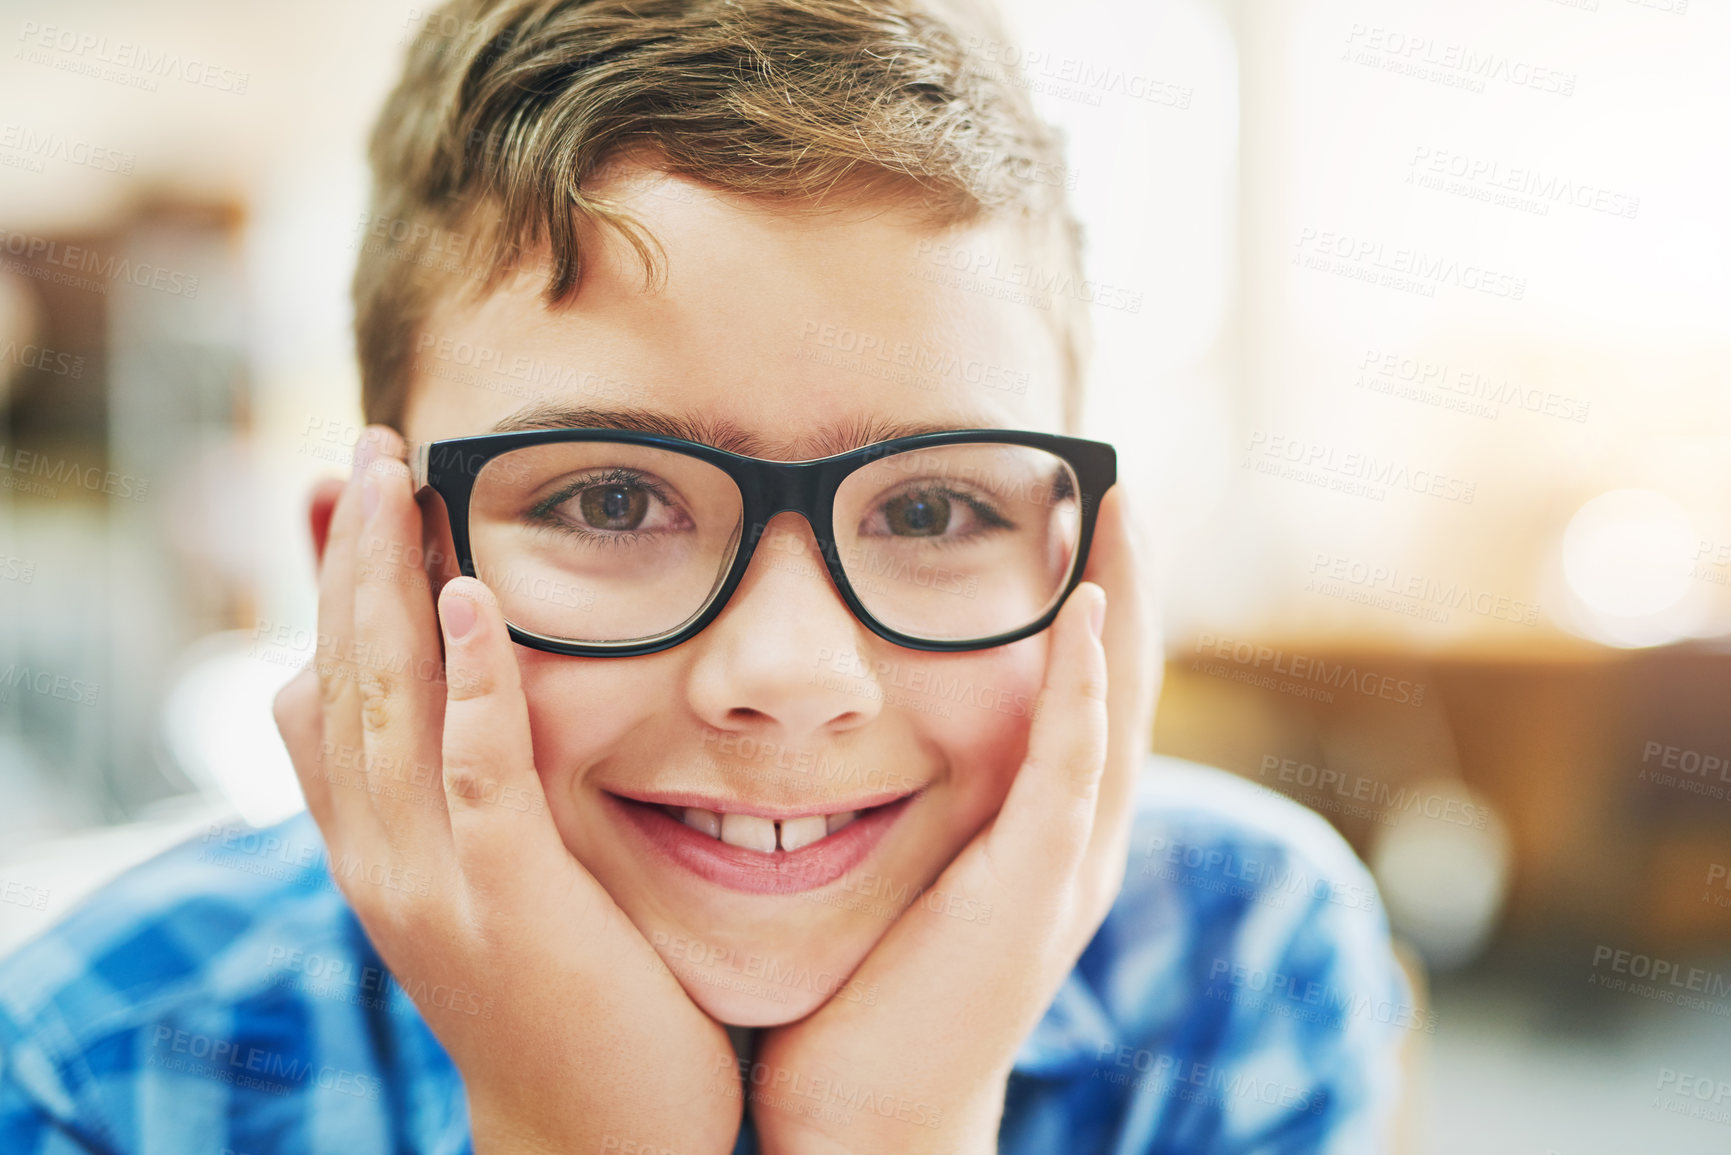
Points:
(785, 705)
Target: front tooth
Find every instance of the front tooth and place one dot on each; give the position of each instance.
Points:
(748, 831)
(837, 821)
(707, 821)
(798, 832)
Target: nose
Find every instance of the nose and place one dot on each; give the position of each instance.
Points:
(760, 664)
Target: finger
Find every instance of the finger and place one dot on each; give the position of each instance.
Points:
(1019, 870)
(505, 841)
(1040, 833)
(341, 746)
(297, 708)
(399, 672)
(1117, 561)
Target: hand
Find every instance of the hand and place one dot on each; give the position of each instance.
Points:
(569, 1031)
(956, 999)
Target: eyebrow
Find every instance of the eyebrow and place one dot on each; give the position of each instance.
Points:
(723, 434)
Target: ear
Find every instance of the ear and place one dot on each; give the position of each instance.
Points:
(319, 511)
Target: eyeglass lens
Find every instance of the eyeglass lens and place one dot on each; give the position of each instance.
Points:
(603, 541)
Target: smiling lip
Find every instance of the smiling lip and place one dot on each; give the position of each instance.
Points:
(773, 813)
(756, 871)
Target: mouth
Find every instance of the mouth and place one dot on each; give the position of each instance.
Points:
(763, 851)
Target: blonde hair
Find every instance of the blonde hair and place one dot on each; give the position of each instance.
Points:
(507, 111)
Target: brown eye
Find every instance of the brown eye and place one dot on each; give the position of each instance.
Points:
(917, 514)
(615, 507)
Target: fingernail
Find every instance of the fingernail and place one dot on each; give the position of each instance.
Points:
(369, 496)
(459, 617)
(1097, 615)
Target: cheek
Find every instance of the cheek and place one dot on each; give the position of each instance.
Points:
(984, 736)
(580, 709)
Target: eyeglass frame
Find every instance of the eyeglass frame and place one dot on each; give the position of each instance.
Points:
(451, 466)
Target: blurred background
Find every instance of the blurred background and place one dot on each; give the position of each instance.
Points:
(1413, 329)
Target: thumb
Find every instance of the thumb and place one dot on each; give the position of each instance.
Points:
(494, 796)
(1042, 829)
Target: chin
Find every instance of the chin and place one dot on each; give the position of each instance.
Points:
(755, 1006)
(747, 984)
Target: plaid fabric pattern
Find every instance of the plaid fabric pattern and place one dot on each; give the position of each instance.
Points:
(222, 999)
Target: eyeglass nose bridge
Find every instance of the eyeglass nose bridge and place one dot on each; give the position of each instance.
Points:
(790, 487)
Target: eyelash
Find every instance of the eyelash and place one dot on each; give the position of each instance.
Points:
(541, 513)
(991, 517)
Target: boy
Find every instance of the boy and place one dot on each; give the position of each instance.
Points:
(734, 802)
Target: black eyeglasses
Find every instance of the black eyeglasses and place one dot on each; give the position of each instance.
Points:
(607, 542)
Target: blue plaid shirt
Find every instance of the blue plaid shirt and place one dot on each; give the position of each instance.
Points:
(222, 999)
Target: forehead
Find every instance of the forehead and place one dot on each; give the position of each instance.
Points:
(780, 334)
